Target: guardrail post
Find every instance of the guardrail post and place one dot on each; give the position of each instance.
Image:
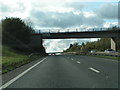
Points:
(58, 30)
(76, 30)
(49, 30)
(67, 30)
(39, 31)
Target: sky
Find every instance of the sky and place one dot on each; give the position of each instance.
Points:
(62, 14)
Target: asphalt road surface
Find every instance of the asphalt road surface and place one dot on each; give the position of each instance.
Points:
(70, 71)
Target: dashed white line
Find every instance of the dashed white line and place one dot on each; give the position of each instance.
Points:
(94, 70)
(115, 60)
(20, 75)
(78, 62)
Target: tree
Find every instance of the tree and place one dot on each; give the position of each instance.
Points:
(83, 44)
(15, 32)
(114, 28)
(0, 31)
(76, 44)
(70, 46)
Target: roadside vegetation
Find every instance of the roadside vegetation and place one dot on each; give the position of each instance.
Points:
(99, 45)
(107, 57)
(12, 59)
(16, 36)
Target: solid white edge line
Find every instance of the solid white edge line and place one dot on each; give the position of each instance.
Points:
(94, 70)
(78, 62)
(20, 75)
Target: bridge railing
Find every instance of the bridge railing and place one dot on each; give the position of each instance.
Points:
(71, 30)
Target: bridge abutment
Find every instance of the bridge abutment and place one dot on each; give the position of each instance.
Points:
(113, 44)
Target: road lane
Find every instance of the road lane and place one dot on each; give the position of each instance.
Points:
(107, 67)
(64, 72)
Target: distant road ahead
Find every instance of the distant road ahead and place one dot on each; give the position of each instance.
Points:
(71, 71)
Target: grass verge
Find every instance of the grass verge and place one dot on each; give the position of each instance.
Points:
(100, 56)
(107, 57)
(12, 59)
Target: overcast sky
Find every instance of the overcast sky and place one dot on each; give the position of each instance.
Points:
(62, 14)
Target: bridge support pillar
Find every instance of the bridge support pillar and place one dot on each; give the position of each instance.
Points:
(113, 44)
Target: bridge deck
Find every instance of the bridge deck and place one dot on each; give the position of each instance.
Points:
(87, 34)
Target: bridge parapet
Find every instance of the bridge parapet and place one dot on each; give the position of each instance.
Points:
(87, 34)
(72, 30)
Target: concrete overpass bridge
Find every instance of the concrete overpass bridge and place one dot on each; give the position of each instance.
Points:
(101, 33)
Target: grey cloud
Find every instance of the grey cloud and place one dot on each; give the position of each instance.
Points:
(4, 8)
(21, 7)
(75, 5)
(94, 21)
(108, 11)
(63, 20)
(55, 19)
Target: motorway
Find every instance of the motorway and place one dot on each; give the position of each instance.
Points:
(70, 71)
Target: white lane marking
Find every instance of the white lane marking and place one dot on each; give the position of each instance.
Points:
(78, 62)
(107, 77)
(94, 70)
(115, 60)
(20, 75)
(72, 59)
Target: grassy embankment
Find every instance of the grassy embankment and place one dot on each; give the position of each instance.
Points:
(12, 59)
(107, 57)
(101, 56)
